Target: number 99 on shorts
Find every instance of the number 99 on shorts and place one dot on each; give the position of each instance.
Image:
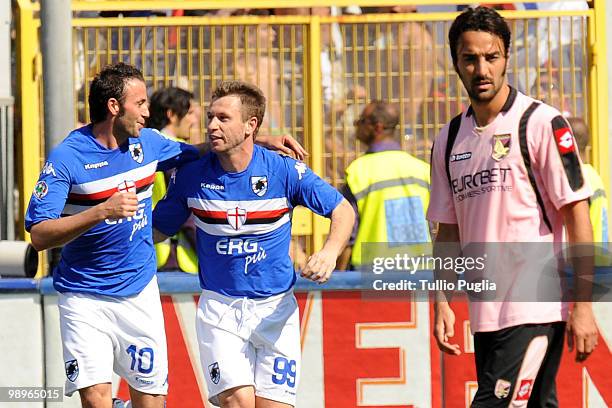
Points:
(286, 371)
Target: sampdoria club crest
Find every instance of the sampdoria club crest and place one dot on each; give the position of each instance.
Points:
(259, 185)
(215, 372)
(136, 152)
(72, 370)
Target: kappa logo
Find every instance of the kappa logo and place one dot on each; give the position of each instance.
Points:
(48, 169)
(236, 217)
(72, 370)
(136, 152)
(259, 185)
(215, 372)
(501, 146)
(301, 169)
(91, 166)
(212, 186)
(502, 388)
(524, 390)
(41, 189)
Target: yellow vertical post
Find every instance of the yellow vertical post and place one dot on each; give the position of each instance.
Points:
(315, 117)
(598, 92)
(29, 141)
(28, 71)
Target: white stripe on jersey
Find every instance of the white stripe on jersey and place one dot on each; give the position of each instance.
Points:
(71, 209)
(273, 204)
(104, 184)
(226, 229)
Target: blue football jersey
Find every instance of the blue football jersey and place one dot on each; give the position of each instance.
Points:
(115, 257)
(243, 219)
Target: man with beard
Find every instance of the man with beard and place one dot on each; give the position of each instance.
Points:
(507, 170)
(94, 197)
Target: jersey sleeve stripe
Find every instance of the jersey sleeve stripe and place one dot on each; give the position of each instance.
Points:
(527, 160)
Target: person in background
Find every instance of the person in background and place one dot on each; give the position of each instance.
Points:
(598, 203)
(387, 187)
(175, 113)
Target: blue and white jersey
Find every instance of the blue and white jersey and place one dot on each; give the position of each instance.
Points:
(243, 219)
(115, 257)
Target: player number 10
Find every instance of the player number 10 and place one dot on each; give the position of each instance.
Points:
(285, 370)
(132, 351)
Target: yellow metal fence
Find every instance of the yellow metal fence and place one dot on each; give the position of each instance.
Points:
(318, 72)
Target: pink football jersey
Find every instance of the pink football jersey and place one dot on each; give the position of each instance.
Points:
(508, 182)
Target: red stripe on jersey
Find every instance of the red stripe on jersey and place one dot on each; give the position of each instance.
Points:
(209, 214)
(101, 195)
(250, 214)
(267, 214)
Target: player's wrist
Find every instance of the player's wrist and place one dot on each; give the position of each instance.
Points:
(583, 306)
(441, 301)
(101, 212)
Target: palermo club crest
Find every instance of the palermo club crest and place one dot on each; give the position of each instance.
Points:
(501, 146)
(137, 152)
(259, 185)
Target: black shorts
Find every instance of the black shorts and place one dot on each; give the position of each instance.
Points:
(518, 364)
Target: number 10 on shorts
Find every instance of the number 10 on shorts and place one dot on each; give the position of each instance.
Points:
(285, 370)
(145, 364)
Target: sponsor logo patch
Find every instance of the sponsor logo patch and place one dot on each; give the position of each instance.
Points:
(566, 145)
(41, 189)
(565, 140)
(259, 185)
(215, 372)
(501, 146)
(72, 370)
(524, 390)
(136, 152)
(460, 156)
(502, 388)
(236, 217)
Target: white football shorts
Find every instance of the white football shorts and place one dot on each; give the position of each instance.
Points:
(250, 342)
(103, 333)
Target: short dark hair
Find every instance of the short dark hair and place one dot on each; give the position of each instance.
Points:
(581, 132)
(109, 83)
(177, 100)
(252, 99)
(385, 113)
(478, 19)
